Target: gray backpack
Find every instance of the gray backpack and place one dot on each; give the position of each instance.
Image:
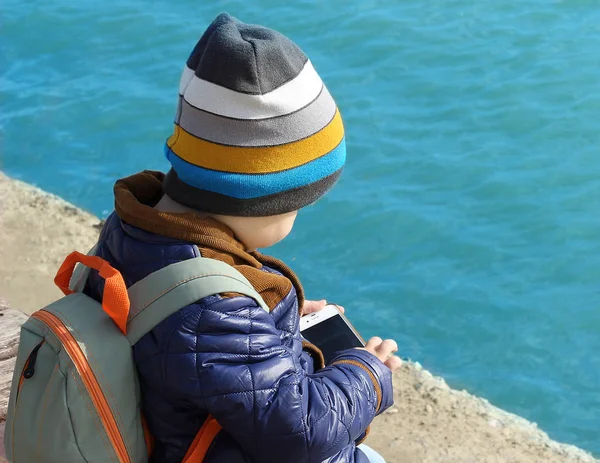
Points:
(75, 394)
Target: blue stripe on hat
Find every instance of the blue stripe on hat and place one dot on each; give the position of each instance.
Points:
(248, 186)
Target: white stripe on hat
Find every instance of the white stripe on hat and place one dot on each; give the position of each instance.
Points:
(186, 78)
(286, 99)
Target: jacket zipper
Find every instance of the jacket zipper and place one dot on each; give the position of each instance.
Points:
(371, 375)
(89, 380)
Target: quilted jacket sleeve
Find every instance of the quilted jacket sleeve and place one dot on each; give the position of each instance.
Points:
(254, 384)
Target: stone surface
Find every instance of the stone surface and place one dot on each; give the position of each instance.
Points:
(429, 422)
(10, 323)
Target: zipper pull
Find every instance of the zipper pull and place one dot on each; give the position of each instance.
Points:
(30, 368)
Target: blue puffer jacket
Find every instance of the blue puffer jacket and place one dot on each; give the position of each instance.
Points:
(226, 356)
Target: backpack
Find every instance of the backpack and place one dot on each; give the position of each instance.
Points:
(75, 394)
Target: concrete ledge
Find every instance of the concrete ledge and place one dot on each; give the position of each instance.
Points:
(11, 321)
(430, 422)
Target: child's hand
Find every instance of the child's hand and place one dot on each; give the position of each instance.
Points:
(384, 351)
(316, 306)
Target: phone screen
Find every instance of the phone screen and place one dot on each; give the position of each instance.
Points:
(331, 336)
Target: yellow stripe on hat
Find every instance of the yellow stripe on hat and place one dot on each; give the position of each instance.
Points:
(256, 160)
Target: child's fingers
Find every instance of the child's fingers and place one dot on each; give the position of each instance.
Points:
(373, 343)
(313, 306)
(393, 363)
(387, 347)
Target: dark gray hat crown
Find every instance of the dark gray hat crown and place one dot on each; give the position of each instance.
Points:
(245, 58)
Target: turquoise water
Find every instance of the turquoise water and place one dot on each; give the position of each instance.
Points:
(466, 224)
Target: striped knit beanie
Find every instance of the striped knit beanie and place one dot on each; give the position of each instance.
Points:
(256, 133)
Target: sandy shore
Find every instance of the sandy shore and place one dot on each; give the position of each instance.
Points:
(429, 423)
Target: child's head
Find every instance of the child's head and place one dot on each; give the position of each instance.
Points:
(257, 134)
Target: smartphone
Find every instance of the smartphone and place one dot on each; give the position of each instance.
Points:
(330, 331)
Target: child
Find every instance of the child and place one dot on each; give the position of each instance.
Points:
(257, 137)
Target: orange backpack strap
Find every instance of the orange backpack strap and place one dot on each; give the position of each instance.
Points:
(205, 437)
(115, 300)
(148, 437)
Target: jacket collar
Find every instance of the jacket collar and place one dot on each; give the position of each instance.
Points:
(135, 198)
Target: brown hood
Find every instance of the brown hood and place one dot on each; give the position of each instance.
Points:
(135, 198)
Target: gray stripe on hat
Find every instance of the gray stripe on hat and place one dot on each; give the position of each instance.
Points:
(259, 132)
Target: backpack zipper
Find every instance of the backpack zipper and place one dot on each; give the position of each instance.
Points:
(90, 382)
(29, 367)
